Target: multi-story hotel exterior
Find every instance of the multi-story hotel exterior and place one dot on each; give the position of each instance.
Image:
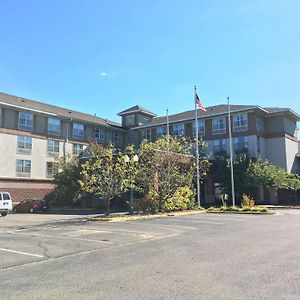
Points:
(32, 134)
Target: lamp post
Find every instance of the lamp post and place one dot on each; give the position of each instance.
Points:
(133, 160)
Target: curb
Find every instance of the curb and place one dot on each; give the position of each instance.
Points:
(143, 217)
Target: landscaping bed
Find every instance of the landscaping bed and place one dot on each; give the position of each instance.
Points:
(133, 217)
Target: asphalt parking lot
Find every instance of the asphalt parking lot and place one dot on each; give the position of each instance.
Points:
(205, 256)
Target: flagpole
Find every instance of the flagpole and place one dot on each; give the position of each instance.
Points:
(231, 155)
(197, 148)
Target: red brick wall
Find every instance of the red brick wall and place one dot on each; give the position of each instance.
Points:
(26, 189)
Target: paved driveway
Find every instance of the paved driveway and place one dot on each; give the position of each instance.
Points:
(189, 257)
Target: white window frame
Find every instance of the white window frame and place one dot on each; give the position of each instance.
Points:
(99, 135)
(221, 144)
(237, 142)
(240, 122)
(78, 131)
(51, 169)
(23, 168)
(146, 135)
(178, 130)
(218, 125)
(201, 128)
(24, 144)
(53, 147)
(27, 121)
(161, 131)
(77, 149)
(54, 126)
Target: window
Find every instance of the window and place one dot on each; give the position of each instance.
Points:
(201, 128)
(129, 120)
(77, 149)
(219, 146)
(240, 144)
(146, 135)
(259, 124)
(78, 131)
(118, 138)
(25, 121)
(258, 145)
(240, 122)
(218, 126)
(24, 144)
(54, 126)
(51, 169)
(0, 117)
(23, 168)
(99, 135)
(53, 147)
(178, 130)
(161, 131)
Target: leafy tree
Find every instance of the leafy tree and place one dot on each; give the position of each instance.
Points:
(242, 181)
(250, 173)
(165, 166)
(267, 174)
(104, 173)
(67, 187)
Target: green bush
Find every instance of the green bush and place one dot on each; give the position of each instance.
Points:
(182, 199)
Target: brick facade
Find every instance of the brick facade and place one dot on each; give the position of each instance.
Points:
(26, 189)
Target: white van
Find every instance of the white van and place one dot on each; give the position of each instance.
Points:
(5, 203)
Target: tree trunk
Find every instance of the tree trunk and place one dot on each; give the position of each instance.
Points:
(107, 207)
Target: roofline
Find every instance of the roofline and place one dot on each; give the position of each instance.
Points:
(287, 110)
(202, 117)
(68, 118)
(26, 108)
(136, 110)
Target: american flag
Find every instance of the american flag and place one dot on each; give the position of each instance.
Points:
(199, 103)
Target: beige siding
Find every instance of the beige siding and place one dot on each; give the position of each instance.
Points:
(276, 152)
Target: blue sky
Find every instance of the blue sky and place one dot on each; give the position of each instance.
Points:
(101, 57)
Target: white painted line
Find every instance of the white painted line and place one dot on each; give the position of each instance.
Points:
(54, 259)
(70, 238)
(198, 222)
(19, 252)
(85, 232)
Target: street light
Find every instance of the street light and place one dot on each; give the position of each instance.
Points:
(127, 159)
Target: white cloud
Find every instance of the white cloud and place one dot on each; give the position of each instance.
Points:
(106, 74)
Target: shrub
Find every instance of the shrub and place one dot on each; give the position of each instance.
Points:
(183, 198)
(247, 201)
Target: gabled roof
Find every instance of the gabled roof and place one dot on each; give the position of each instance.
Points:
(212, 111)
(43, 108)
(137, 108)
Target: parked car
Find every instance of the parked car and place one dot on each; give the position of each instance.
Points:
(31, 206)
(5, 203)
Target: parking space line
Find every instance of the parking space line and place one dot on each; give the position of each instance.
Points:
(20, 252)
(198, 222)
(54, 259)
(67, 237)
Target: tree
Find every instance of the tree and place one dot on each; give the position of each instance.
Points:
(165, 166)
(266, 174)
(103, 173)
(67, 187)
(250, 173)
(242, 181)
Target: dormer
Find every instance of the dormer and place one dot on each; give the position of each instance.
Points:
(135, 116)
